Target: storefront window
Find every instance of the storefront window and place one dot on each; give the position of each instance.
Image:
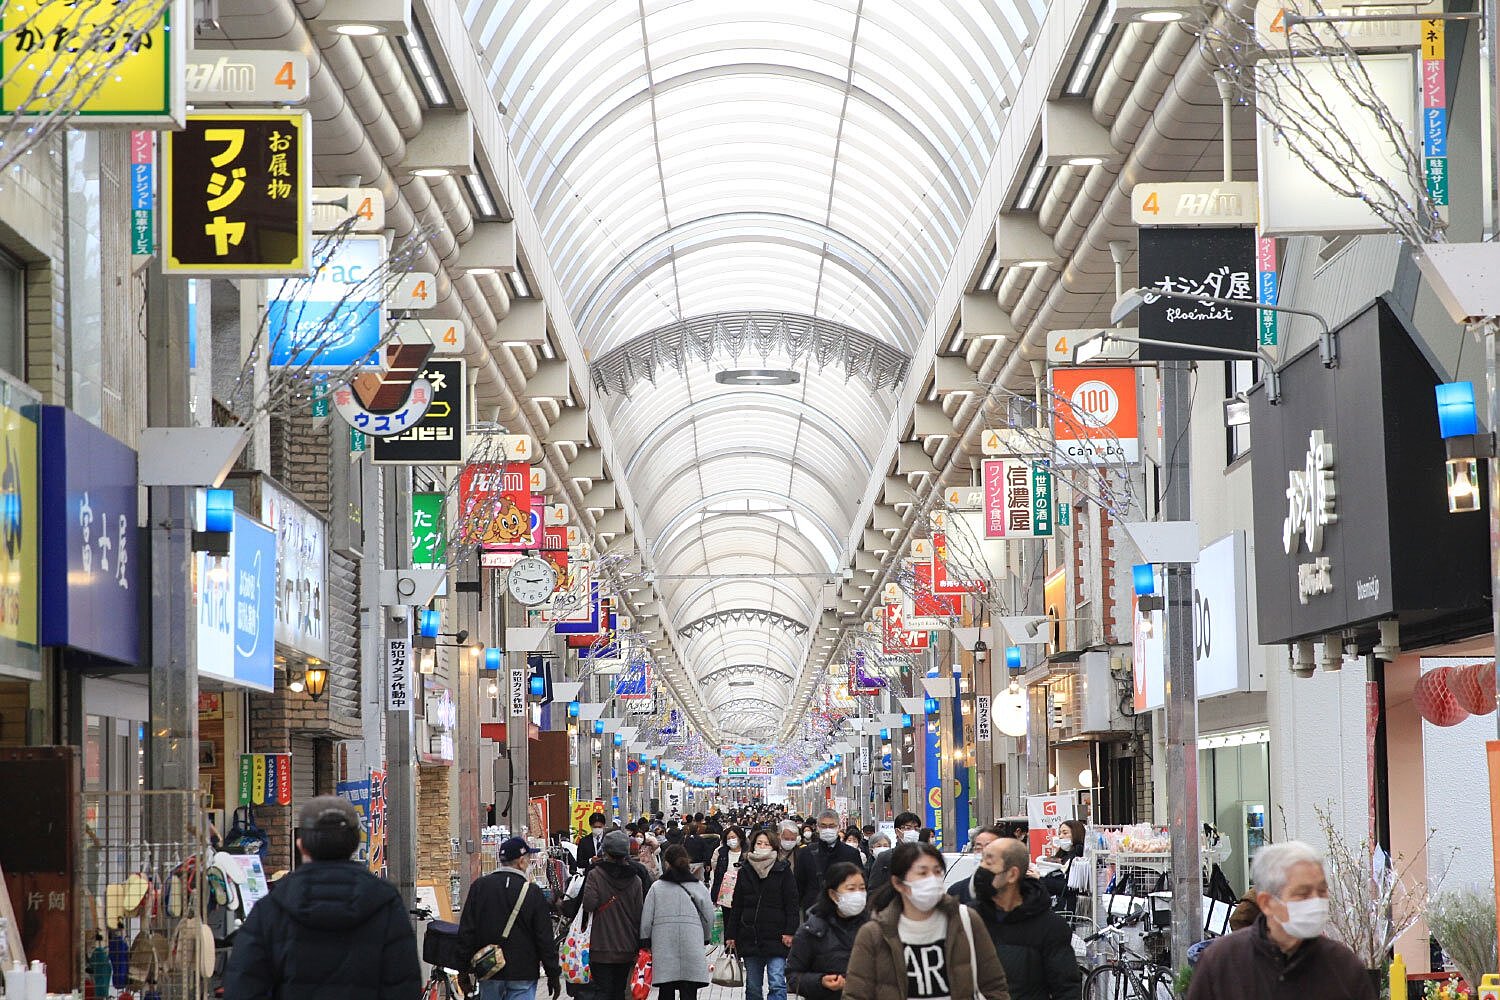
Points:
(1234, 777)
(1239, 376)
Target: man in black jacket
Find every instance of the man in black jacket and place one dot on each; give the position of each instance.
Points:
(813, 859)
(331, 930)
(495, 905)
(590, 846)
(1034, 944)
(907, 826)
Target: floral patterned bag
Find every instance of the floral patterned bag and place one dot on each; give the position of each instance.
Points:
(574, 953)
(726, 887)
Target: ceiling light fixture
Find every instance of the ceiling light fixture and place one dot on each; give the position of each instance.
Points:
(1161, 16)
(358, 30)
(1085, 161)
(757, 376)
(429, 172)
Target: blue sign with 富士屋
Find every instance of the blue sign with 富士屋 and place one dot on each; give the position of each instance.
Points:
(90, 558)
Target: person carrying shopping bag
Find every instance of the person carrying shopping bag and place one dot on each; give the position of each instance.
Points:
(819, 961)
(922, 944)
(675, 927)
(759, 926)
(613, 898)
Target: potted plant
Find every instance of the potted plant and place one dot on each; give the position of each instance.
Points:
(1463, 922)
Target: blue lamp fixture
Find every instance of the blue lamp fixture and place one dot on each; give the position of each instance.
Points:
(905, 720)
(619, 739)
(930, 705)
(1146, 598)
(429, 620)
(1013, 657)
(218, 521)
(598, 727)
(1458, 422)
(572, 709)
(494, 656)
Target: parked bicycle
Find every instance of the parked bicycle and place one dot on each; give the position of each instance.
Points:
(1128, 975)
(440, 950)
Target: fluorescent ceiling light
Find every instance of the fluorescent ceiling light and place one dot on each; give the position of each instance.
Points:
(1033, 186)
(477, 271)
(1085, 161)
(518, 284)
(357, 30)
(549, 352)
(1031, 263)
(479, 193)
(1161, 16)
(432, 172)
(414, 44)
(757, 376)
(991, 273)
(1093, 47)
(958, 337)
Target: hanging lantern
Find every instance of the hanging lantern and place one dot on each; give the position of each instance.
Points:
(1473, 687)
(1435, 701)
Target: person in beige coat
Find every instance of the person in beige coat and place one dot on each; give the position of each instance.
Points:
(919, 946)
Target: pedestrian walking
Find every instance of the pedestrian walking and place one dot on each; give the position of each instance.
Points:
(788, 841)
(648, 854)
(760, 924)
(921, 946)
(675, 926)
(503, 908)
(814, 860)
(725, 867)
(1283, 955)
(908, 829)
(331, 930)
(819, 959)
(1034, 943)
(613, 897)
(590, 846)
(963, 891)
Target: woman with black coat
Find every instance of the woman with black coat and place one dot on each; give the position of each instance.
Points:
(820, 951)
(726, 860)
(760, 924)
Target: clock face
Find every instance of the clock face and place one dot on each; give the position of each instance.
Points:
(532, 581)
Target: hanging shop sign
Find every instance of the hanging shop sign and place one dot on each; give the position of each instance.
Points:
(348, 210)
(1295, 199)
(1192, 203)
(302, 572)
(981, 718)
(1047, 812)
(235, 195)
(447, 336)
(964, 497)
(1350, 495)
(945, 578)
(862, 683)
(246, 76)
(236, 601)
(142, 193)
(90, 562)
(398, 674)
(1017, 499)
(105, 63)
(1096, 416)
(1213, 262)
(19, 517)
(928, 602)
(438, 438)
(1357, 31)
(896, 636)
(1055, 606)
(429, 540)
(265, 779)
(517, 693)
(635, 684)
(334, 319)
(494, 506)
(357, 794)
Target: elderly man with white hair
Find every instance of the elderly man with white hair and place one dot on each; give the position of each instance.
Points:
(1283, 955)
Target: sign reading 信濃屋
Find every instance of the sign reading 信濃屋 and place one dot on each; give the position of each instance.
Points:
(1017, 498)
(235, 195)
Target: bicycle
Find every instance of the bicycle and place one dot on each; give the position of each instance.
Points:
(440, 950)
(1127, 975)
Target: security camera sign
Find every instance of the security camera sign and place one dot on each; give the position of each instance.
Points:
(1096, 416)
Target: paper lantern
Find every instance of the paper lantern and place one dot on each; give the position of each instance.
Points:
(1473, 686)
(1435, 701)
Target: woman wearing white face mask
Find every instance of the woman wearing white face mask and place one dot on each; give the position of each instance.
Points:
(820, 951)
(922, 944)
(1283, 955)
(725, 867)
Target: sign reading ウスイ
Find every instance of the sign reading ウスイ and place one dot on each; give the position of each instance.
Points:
(439, 438)
(1216, 263)
(235, 195)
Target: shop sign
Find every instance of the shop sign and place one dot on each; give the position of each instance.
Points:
(862, 762)
(1017, 499)
(981, 718)
(90, 562)
(302, 576)
(377, 822)
(1056, 606)
(1047, 812)
(447, 336)
(1360, 29)
(494, 506)
(429, 540)
(1349, 479)
(246, 76)
(635, 685)
(861, 684)
(348, 210)
(333, 320)
(265, 779)
(235, 195)
(357, 794)
(1193, 203)
(1214, 262)
(236, 600)
(438, 439)
(142, 193)
(19, 518)
(1148, 656)
(930, 603)
(114, 62)
(1295, 197)
(897, 636)
(517, 693)
(398, 675)
(1096, 416)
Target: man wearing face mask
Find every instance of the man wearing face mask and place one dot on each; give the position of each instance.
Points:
(1034, 944)
(788, 842)
(591, 845)
(813, 860)
(908, 829)
(1283, 955)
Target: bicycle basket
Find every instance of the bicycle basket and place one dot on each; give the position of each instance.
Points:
(440, 946)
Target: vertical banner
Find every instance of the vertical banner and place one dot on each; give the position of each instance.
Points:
(398, 675)
(932, 748)
(142, 193)
(1267, 280)
(1492, 757)
(982, 718)
(1435, 114)
(1017, 499)
(265, 779)
(377, 822)
(517, 693)
(959, 822)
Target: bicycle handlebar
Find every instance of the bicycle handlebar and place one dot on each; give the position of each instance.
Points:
(421, 913)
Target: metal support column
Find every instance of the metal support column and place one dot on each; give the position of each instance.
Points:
(983, 795)
(172, 751)
(517, 728)
(1182, 681)
(400, 757)
(948, 802)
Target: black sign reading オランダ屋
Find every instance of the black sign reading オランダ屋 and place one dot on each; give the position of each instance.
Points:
(1215, 263)
(235, 192)
(439, 438)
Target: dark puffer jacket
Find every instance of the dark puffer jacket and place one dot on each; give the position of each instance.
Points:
(821, 948)
(330, 931)
(613, 897)
(764, 910)
(1036, 947)
(1247, 965)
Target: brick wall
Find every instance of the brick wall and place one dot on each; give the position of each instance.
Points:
(434, 847)
(1111, 624)
(299, 456)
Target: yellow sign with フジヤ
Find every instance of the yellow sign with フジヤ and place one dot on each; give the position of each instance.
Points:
(102, 60)
(18, 526)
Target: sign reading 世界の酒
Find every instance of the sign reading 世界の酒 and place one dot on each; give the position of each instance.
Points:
(235, 193)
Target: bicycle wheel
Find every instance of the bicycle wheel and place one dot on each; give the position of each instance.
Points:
(1108, 982)
(1159, 983)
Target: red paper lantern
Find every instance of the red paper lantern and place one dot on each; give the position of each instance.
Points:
(1474, 687)
(1435, 701)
